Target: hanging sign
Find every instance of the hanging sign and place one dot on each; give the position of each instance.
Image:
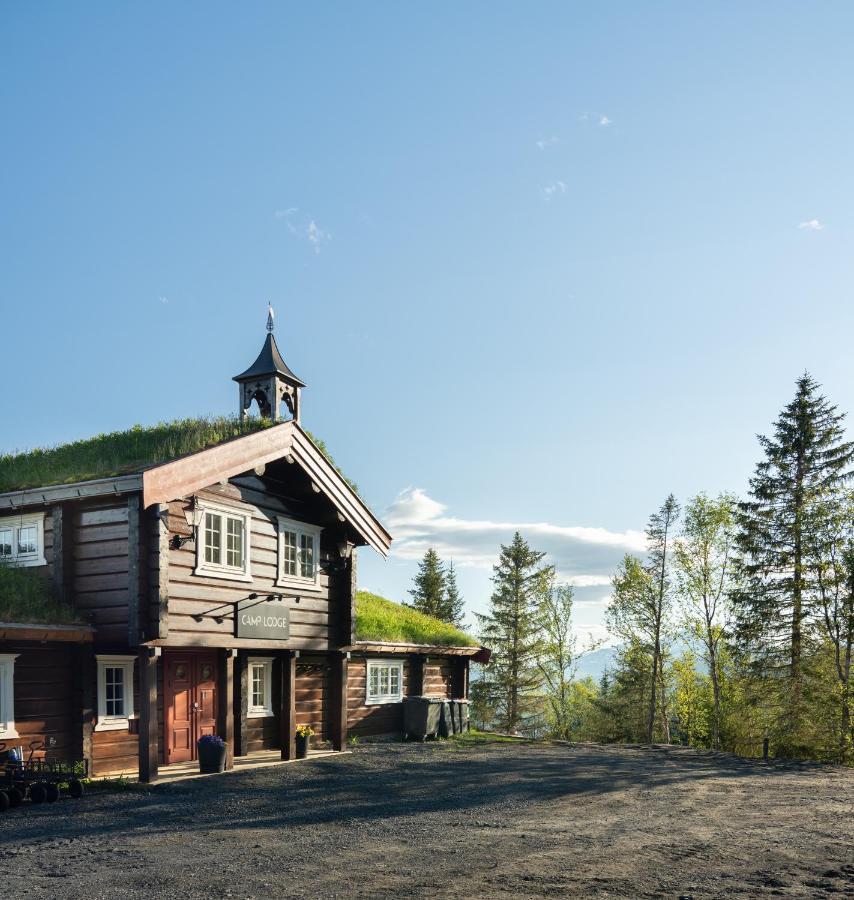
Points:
(267, 621)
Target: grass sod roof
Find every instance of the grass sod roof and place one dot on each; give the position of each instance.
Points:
(384, 621)
(26, 596)
(124, 452)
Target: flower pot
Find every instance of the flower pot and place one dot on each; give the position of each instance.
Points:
(303, 743)
(211, 758)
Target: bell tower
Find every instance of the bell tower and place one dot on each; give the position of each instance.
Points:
(269, 382)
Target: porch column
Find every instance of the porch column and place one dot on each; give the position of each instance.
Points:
(86, 675)
(148, 750)
(288, 713)
(241, 703)
(340, 673)
(225, 703)
(460, 678)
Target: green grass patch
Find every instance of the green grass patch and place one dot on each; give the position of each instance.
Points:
(378, 619)
(119, 452)
(475, 737)
(26, 595)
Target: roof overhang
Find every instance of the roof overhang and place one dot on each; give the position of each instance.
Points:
(181, 477)
(35, 631)
(478, 654)
(120, 484)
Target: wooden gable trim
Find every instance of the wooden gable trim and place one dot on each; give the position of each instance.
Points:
(184, 476)
(344, 498)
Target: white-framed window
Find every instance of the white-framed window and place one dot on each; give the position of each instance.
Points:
(260, 687)
(115, 692)
(299, 550)
(384, 681)
(223, 541)
(22, 539)
(7, 695)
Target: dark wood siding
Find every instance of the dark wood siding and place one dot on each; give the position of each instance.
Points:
(314, 697)
(362, 719)
(437, 678)
(116, 752)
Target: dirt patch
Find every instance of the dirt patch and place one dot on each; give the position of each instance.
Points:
(504, 820)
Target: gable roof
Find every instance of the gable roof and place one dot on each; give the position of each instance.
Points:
(180, 477)
(269, 362)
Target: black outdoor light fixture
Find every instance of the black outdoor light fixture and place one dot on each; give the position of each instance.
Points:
(345, 551)
(193, 514)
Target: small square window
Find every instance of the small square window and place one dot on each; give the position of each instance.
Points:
(299, 544)
(222, 548)
(22, 540)
(385, 682)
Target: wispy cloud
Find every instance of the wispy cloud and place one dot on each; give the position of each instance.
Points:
(316, 236)
(812, 225)
(303, 227)
(584, 556)
(544, 143)
(286, 213)
(551, 190)
(604, 121)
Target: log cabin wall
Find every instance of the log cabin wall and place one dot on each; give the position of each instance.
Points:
(364, 720)
(438, 678)
(117, 752)
(194, 599)
(314, 696)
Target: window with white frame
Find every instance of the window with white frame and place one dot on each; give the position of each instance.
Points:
(384, 681)
(22, 540)
(7, 695)
(115, 692)
(260, 687)
(222, 542)
(299, 548)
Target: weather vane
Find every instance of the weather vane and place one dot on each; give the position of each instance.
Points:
(270, 317)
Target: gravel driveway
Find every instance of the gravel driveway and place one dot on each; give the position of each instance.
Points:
(450, 820)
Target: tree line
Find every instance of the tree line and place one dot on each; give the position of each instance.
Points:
(735, 627)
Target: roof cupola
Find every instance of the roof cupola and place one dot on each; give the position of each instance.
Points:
(269, 382)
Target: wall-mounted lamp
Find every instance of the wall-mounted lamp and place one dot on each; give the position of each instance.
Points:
(193, 514)
(339, 563)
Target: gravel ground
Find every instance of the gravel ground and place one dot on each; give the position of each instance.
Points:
(450, 820)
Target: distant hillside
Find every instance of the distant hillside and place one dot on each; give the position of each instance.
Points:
(594, 664)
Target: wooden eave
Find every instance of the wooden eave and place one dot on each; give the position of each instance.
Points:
(182, 477)
(396, 647)
(35, 631)
(120, 484)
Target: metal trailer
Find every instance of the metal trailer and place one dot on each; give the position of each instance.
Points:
(40, 780)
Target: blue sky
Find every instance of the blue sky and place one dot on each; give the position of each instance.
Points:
(540, 264)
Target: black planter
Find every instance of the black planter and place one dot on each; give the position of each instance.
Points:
(303, 742)
(211, 758)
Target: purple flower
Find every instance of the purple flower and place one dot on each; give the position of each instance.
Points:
(208, 740)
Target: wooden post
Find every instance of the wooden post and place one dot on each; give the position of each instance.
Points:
(134, 580)
(241, 704)
(157, 625)
(62, 558)
(87, 676)
(417, 666)
(148, 750)
(225, 703)
(340, 675)
(288, 713)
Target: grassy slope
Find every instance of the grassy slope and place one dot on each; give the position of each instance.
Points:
(26, 596)
(378, 619)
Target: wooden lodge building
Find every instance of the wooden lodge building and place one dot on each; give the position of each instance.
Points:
(209, 592)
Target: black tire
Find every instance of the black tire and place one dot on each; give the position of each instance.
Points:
(5, 802)
(52, 792)
(75, 788)
(15, 796)
(38, 792)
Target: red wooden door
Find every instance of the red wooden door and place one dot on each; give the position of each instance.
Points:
(189, 702)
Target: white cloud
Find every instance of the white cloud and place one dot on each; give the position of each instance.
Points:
(316, 236)
(303, 227)
(551, 190)
(812, 225)
(584, 556)
(604, 121)
(543, 143)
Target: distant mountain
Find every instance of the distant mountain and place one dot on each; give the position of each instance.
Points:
(595, 663)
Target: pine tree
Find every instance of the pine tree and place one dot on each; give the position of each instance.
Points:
(806, 463)
(453, 609)
(511, 628)
(428, 595)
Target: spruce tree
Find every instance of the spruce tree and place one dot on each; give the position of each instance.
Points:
(806, 463)
(453, 608)
(428, 595)
(512, 681)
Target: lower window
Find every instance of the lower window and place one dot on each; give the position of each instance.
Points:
(115, 692)
(384, 681)
(260, 687)
(7, 695)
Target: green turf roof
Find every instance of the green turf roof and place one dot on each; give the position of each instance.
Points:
(26, 596)
(124, 452)
(381, 620)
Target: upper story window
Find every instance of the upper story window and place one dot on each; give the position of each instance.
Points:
(384, 681)
(22, 540)
(299, 550)
(115, 692)
(222, 544)
(7, 695)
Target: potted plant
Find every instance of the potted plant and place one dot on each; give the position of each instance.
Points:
(212, 752)
(304, 733)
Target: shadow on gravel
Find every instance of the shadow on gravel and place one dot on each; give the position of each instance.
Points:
(382, 782)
